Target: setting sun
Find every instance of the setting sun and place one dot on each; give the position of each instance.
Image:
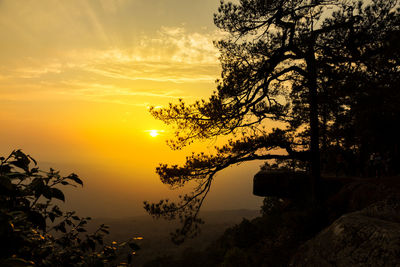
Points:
(154, 133)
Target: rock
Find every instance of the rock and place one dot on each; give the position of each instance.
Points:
(294, 185)
(281, 184)
(358, 193)
(370, 237)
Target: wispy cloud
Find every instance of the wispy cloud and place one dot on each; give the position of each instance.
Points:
(85, 50)
(101, 90)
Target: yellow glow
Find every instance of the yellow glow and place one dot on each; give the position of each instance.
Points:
(80, 100)
(154, 133)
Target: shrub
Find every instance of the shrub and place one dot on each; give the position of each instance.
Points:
(34, 230)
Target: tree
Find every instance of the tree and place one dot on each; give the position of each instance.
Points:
(362, 85)
(33, 228)
(278, 64)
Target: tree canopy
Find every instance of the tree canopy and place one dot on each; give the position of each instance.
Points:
(311, 65)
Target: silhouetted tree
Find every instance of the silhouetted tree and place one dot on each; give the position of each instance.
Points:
(279, 63)
(358, 94)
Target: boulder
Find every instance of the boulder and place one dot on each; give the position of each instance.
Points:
(370, 237)
(358, 193)
(282, 184)
(294, 185)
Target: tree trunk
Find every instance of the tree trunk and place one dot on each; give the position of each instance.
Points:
(314, 123)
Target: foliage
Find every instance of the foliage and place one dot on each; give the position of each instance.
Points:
(269, 240)
(362, 92)
(313, 66)
(33, 228)
(271, 205)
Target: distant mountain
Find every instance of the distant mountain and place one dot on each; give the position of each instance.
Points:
(155, 233)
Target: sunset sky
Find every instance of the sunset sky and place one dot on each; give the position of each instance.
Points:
(77, 78)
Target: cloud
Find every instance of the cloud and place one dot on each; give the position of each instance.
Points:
(168, 48)
(192, 48)
(81, 51)
(171, 55)
(101, 90)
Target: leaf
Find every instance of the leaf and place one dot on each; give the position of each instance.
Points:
(91, 244)
(20, 164)
(46, 191)
(22, 161)
(57, 193)
(105, 231)
(75, 178)
(5, 185)
(56, 210)
(38, 187)
(52, 216)
(5, 168)
(61, 227)
(37, 219)
(34, 161)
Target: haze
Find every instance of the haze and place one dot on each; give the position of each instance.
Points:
(77, 78)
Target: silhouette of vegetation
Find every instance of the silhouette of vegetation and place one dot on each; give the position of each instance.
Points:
(326, 70)
(34, 230)
(269, 240)
(276, 237)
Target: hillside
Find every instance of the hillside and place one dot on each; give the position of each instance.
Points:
(155, 233)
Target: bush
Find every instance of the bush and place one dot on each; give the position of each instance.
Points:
(35, 231)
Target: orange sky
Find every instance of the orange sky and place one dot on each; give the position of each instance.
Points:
(77, 78)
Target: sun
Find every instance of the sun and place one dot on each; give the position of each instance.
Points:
(154, 133)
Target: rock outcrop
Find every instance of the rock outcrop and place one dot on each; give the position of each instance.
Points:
(370, 237)
(295, 185)
(358, 193)
(281, 184)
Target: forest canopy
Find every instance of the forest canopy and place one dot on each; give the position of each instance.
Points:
(326, 70)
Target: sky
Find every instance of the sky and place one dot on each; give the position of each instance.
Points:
(77, 78)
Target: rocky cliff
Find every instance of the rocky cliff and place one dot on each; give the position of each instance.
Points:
(370, 237)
